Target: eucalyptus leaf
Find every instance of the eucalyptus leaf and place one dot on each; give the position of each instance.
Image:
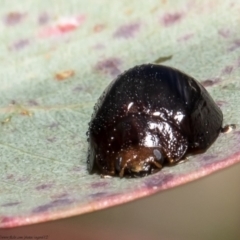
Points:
(56, 59)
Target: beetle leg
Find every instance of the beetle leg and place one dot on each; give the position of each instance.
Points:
(121, 173)
(105, 176)
(183, 160)
(171, 161)
(156, 164)
(228, 128)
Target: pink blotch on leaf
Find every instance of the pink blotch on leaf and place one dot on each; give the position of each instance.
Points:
(227, 70)
(109, 66)
(157, 181)
(208, 158)
(51, 139)
(221, 103)
(98, 195)
(10, 176)
(63, 26)
(13, 102)
(76, 169)
(32, 102)
(236, 133)
(23, 179)
(99, 27)
(127, 31)
(43, 18)
(9, 221)
(43, 186)
(171, 18)
(52, 204)
(99, 46)
(185, 37)
(77, 89)
(54, 125)
(13, 18)
(225, 33)
(20, 44)
(59, 196)
(99, 184)
(235, 45)
(210, 82)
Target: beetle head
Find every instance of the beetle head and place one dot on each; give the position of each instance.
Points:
(139, 162)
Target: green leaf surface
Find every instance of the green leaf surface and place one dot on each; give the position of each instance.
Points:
(56, 58)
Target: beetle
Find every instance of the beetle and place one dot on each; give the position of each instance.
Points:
(149, 117)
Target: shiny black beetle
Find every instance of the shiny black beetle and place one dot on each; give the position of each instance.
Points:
(149, 117)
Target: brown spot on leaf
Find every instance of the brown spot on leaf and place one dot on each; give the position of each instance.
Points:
(25, 112)
(163, 59)
(99, 27)
(128, 11)
(60, 76)
(13, 102)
